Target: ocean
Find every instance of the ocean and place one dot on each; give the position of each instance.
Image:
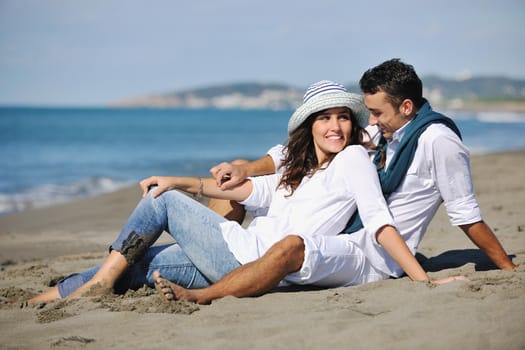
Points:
(53, 155)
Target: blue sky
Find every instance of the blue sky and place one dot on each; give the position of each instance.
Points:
(88, 53)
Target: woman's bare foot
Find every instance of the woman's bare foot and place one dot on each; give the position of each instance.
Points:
(48, 296)
(103, 281)
(170, 291)
(92, 289)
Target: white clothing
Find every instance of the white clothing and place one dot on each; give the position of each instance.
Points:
(439, 172)
(276, 152)
(321, 205)
(335, 261)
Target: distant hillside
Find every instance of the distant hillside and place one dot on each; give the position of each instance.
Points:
(239, 95)
(475, 93)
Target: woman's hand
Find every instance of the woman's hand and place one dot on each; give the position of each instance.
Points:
(450, 279)
(163, 183)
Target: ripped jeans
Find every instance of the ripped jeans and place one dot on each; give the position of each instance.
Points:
(199, 257)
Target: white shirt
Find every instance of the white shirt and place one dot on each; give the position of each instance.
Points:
(439, 172)
(321, 205)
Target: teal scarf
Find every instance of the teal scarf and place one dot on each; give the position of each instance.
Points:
(391, 178)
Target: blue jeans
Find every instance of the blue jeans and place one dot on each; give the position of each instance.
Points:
(199, 257)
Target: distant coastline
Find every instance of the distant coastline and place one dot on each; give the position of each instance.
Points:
(480, 106)
(480, 94)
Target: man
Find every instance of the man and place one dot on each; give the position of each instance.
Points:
(426, 164)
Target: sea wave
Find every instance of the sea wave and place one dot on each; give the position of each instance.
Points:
(501, 117)
(45, 195)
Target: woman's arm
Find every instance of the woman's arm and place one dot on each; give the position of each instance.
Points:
(205, 186)
(394, 244)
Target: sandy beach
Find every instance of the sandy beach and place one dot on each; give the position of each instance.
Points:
(488, 312)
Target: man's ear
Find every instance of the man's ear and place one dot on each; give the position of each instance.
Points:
(407, 108)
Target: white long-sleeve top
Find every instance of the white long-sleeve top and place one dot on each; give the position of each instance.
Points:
(321, 205)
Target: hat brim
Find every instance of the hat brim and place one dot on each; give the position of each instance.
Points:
(316, 104)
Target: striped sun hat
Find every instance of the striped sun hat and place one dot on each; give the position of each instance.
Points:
(326, 94)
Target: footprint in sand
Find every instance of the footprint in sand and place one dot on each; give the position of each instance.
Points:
(53, 312)
(505, 286)
(72, 341)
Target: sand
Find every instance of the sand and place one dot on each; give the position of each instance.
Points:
(488, 312)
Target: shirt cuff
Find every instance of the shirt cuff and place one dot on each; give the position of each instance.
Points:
(463, 211)
(378, 221)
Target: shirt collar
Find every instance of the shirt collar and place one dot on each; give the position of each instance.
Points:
(399, 133)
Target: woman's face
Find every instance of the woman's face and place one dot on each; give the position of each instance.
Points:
(331, 132)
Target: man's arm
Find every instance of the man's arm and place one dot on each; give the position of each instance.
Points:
(454, 180)
(231, 174)
(482, 236)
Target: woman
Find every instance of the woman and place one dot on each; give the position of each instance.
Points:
(326, 175)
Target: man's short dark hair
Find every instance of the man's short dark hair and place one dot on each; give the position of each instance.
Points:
(397, 79)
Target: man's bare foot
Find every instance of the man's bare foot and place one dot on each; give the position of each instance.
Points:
(170, 291)
(163, 287)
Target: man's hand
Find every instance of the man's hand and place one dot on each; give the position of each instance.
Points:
(228, 175)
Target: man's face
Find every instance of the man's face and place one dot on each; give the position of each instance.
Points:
(383, 114)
